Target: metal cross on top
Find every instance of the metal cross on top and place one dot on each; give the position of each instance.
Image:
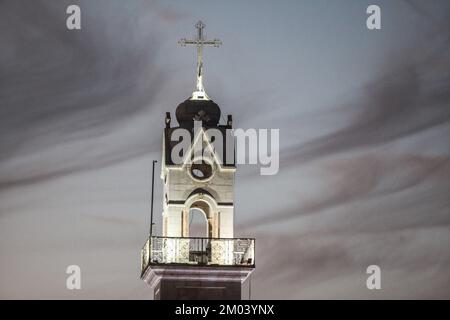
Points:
(199, 93)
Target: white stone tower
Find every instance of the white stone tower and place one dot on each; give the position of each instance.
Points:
(199, 177)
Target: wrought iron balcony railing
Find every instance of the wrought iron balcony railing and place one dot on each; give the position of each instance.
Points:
(198, 252)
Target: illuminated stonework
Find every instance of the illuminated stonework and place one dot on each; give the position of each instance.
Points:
(206, 184)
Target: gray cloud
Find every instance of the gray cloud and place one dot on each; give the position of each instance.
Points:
(382, 205)
(410, 96)
(58, 86)
(371, 176)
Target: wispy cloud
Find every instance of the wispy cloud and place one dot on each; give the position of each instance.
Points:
(60, 87)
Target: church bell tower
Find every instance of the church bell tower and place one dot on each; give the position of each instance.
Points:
(198, 177)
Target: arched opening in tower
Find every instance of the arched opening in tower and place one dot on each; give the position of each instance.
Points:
(198, 224)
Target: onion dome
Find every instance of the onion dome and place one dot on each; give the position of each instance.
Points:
(206, 111)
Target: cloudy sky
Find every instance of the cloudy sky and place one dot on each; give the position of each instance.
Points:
(364, 121)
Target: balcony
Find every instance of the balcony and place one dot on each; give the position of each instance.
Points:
(198, 252)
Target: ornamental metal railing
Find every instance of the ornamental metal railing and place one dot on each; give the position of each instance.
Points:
(198, 252)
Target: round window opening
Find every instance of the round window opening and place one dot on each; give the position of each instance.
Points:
(201, 171)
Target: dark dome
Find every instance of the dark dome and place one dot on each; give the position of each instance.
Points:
(205, 110)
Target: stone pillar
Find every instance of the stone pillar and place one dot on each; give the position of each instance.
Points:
(185, 228)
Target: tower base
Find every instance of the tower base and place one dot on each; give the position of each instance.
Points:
(170, 282)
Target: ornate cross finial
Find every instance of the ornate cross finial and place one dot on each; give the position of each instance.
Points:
(199, 93)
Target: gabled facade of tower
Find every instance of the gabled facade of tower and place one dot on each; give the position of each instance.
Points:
(200, 177)
(201, 181)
